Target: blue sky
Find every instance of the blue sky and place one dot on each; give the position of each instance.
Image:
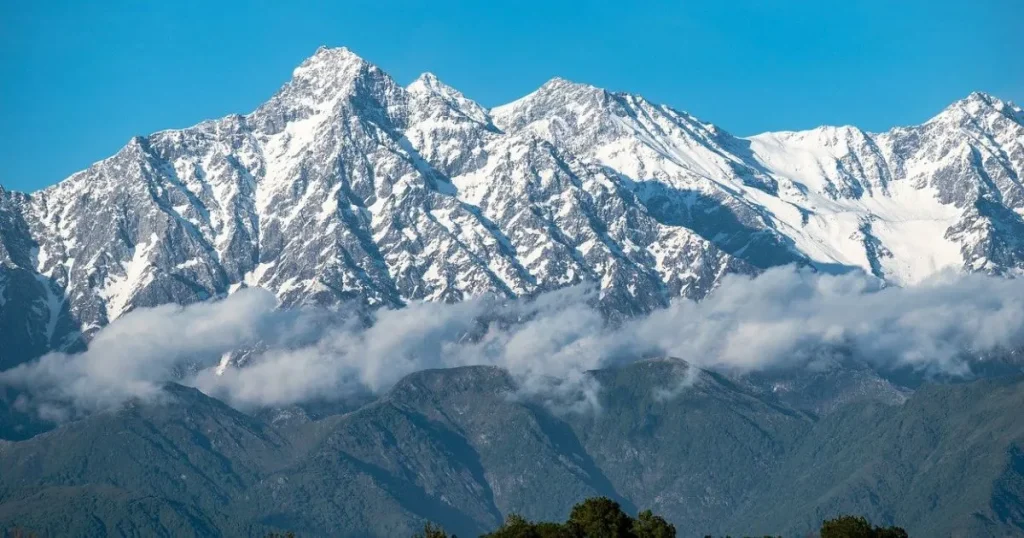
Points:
(80, 78)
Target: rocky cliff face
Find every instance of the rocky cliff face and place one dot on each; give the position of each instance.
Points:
(347, 188)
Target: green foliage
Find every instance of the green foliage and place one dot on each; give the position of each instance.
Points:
(547, 529)
(857, 527)
(600, 517)
(648, 525)
(847, 527)
(515, 526)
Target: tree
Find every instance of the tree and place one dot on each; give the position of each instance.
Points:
(600, 517)
(546, 529)
(847, 527)
(648, 525)
(890, 532)
(515, 526)
(858, 527)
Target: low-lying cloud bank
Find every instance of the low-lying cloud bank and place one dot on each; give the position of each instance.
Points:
(782, 318)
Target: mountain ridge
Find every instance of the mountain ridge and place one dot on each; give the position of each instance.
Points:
(449, 445)
(419, 193)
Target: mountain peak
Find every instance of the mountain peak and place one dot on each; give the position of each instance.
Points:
(328, 64)
(977, 104)
(562, 85)
(981, 97)
(335, 56)
(553, 97)
(427, 84)
(978, 100)
(322, 79)
(428, 79)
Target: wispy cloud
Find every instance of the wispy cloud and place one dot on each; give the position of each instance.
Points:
(782, 318)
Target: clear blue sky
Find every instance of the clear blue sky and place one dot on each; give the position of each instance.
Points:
(80, 78)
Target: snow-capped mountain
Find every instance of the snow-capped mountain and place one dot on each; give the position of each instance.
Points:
(347, 187)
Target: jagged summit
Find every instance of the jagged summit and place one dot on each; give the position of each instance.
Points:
(347, 188)
(428, 85)
(331, 66)
(556, 92)
(563, 84)
(330, 58)
(978, 105)
(328, 77)
(428, 81)
(984, 98)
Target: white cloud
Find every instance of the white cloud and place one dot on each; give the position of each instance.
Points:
(133, 356)
(784, 317)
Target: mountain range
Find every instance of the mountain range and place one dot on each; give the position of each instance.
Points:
(349, 192)
(451, 446)
(346, 188)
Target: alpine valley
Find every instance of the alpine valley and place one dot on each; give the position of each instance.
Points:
(348, 191)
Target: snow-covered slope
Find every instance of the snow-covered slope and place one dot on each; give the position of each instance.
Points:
(346, 187)
(912, 201)
(902, 205)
